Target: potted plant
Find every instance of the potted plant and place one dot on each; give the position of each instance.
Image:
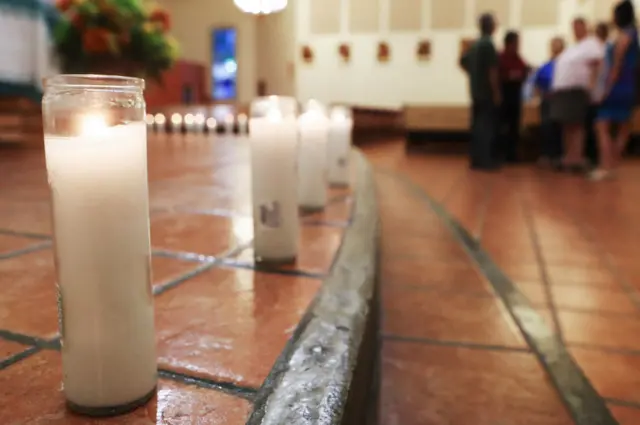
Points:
(126, 37)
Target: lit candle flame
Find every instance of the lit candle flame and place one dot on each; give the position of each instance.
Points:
(176, 119)
(189, 119)
(160, 119)
(150, 119)
(199, 119)
(93, 125)
(211, 123)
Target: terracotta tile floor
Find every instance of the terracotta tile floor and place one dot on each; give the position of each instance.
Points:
(451, 354)
(220, 322)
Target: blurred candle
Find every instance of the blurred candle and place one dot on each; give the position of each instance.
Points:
(176, 123)
(199, 123)
(96, 158)
(160, 121)
(229, 121)
(274, 142)
(150, 120)
(314, 132)
(211, 124)
(243, 124)
(189, 122)
(339, 146)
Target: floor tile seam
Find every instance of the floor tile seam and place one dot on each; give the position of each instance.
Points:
(244, 392)
(214, 212)
(452, 343)
(620, 279)
(596, 313)
(484, 210)
(26, 235)
(604, 349)
(456, 182)
(195, 257)
(439, 289)
(582, 401)
(622, 283)
(244, 265)
(18, 357)
(25, 339)
(542, 267)
(24, 251)
(623, 403)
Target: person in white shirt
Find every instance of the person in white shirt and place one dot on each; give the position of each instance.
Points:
(574, 75)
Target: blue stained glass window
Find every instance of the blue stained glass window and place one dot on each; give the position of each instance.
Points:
(225, 67)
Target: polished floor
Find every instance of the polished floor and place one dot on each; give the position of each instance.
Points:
(221, 320)
(458, 344)
(509, 298)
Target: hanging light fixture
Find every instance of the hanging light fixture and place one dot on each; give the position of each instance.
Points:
(261, 7)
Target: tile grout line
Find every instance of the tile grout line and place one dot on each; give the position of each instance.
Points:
(27, 235)
(484, 211)
(623, 403)
(450, 343)
(28, 250)
(582, 401)
(542, 265)
(621, 281)
(247, 393)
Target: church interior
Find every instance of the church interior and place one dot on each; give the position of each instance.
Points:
(330, 212)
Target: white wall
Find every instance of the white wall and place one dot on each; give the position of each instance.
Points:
(404, 80)
(269, 49)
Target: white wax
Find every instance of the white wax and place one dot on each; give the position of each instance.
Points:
(274, 144)
(101, 227)
(339, 151)
(312, 170)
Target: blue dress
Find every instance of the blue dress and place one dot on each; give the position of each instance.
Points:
(618, 104)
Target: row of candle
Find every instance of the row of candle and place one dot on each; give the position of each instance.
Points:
(196, 123)
(294, 158)
(96, 157)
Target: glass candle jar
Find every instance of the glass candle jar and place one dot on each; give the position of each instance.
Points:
(313, 125)
(96, 155)
(274, 143)
(339, 147)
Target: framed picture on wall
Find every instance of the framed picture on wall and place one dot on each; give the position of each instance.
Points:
(384, 52)
(423, 50)
(307, 54)
(344, 50)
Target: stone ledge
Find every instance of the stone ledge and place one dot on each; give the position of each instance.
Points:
(324, 372)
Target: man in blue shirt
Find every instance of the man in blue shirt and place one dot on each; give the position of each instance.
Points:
(551, 149)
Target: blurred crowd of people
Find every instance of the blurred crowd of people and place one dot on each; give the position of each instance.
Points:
(587, 93)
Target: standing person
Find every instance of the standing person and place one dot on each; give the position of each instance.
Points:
(551, 149)
(591, 148)
(574, 74)
(513, 73)
(481, 65)
(619, 93)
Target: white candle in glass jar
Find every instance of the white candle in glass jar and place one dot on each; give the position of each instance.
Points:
(189, 122)
(160, 122)
(229, 121)
(150, 120)
(212, 124)
(199, 122)
(176, 122)
(243, 124)
(100, 215)
(312, 171)
(274, 142)
(339, 146)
